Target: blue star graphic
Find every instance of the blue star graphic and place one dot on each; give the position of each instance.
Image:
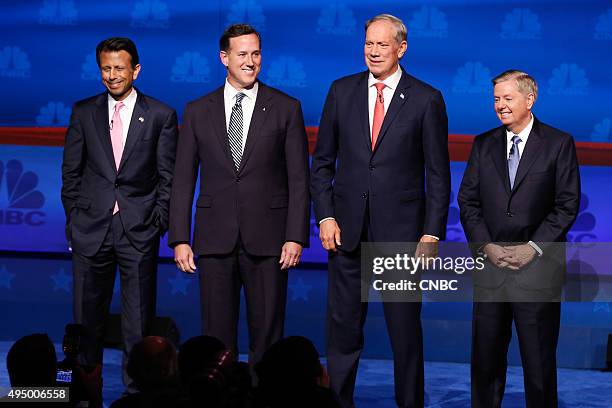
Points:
(179, 283)
(299, 290)
(6, 278)
(62, 281)
(603, 306)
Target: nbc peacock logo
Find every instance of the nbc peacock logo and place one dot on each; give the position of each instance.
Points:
(20, 201)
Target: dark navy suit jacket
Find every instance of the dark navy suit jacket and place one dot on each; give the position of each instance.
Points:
(141, 186)
(541, 207)
(405, 180)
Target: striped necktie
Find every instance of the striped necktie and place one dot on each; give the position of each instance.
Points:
(234, 130)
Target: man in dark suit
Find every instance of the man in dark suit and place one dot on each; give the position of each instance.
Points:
(252, 211)
(117, 176)
(519, 196)
(380, 172)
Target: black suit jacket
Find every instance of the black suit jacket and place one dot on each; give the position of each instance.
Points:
(266, 201)
(541, 207)
(405, 180)
(141, 186)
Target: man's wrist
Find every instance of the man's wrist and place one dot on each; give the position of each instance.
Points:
(325, 219)
(536, 248)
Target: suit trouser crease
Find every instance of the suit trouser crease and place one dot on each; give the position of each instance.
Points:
(346, 316)
(265, 289)
(537, 326)
(94, 279)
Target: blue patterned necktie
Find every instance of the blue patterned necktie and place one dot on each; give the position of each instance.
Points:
(234, 130)
(513, 159)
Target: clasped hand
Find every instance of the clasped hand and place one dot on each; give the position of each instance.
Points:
(511, 257)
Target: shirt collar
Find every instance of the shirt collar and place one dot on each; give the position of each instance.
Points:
(230, 92)
(523, 134)
(129, 101)
(391, 82)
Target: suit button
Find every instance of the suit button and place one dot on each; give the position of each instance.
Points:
(510, 214)
(237, 179)
(364, 195)
(116, 185)
(371, 167)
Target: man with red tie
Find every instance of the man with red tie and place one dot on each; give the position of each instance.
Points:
(117, 175)
(380, 172)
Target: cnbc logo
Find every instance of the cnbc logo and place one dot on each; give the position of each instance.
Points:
(20, 202)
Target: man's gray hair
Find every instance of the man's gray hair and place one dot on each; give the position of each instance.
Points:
(525, 82)
(401, 33)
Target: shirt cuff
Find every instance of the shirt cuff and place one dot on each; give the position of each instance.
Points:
(536, 247)
(431, 236)
(325, 219)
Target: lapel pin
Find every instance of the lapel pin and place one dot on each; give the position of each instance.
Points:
(402, 95)
(141, 119)
(264, 109)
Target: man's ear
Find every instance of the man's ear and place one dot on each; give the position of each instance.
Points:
(136, 72)
(223, 57)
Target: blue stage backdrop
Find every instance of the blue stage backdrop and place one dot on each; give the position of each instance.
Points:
(47, 58)
(32, 218)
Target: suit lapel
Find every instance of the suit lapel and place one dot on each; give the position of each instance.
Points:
(498, 152)
(363, 110)
(530, 153)
(218, 119)
(400, 96)
(260, 112)
(138, 122)
(103, 129)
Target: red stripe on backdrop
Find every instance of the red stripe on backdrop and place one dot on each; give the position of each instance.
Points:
(589, 153)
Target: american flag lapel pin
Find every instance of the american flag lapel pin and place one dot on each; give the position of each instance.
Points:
(402, 95)
(141, 119)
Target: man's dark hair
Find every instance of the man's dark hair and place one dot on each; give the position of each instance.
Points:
(197, 354)
(116, 44)
(236, 30)
(32, 362)
(152, 364)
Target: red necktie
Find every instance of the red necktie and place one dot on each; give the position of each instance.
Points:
(116, 133)
(379, 112)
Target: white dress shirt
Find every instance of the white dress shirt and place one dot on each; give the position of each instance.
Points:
(248, 105)
(125, 113)
(523, 134)
(388, 91)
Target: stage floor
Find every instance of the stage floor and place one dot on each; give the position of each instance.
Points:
(447, 385)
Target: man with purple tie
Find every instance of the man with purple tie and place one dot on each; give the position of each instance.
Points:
(117, 176)
(519, 197)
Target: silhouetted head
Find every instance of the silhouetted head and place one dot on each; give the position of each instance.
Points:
(152, 363)
(32, 362)
(292, 362)
(196, 354)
